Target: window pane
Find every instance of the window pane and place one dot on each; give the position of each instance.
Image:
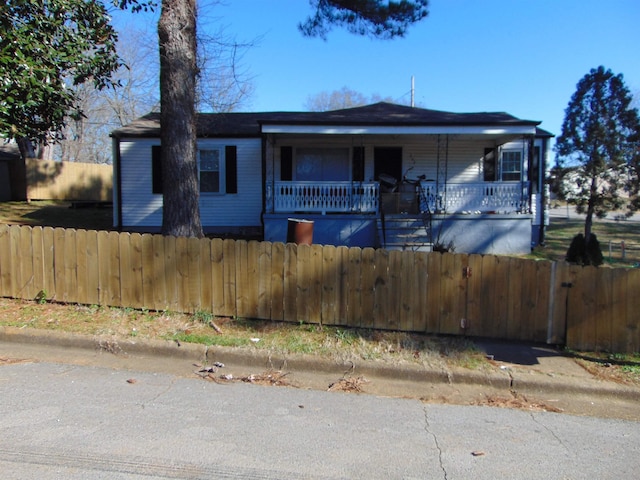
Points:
(210, 160)
(210, 182)
(322, 164)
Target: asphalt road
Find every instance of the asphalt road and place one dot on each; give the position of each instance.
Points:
(60, 421)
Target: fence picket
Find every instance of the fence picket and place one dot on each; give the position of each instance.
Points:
(540, 308)
(314, 307)
(368, 287)
(25, 272)
(148, 272)
(135, 247)
(395, 276)
(382, 305)
(514, 299)
(194, 302)
(162, 293)
(473, 305)
(629, 339)
(115, 285)
(229, 278)
(5, 262)
(420, 319)
(217, 277)
(449, 278)
(354, 277)
(409, 292)
(290, 282)
(93, 283)
(277, 281)
(82, 267)
(342, 292)
(329, 286)
(265, 278)
(581, 325)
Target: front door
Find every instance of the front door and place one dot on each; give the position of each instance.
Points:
(387, 160)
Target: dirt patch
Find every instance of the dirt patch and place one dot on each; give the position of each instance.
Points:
(13, 361)
(625, 373)
(516, 400)
(349, 384)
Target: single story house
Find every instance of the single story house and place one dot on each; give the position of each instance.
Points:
(381, 175)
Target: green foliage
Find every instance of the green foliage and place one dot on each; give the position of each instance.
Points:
(585, 253)
(601, 137)
(203, 317)
(375, 18)
(46, 47)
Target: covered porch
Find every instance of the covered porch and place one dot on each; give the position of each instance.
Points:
(333, 168)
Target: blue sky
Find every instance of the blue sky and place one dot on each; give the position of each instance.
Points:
(523, 57)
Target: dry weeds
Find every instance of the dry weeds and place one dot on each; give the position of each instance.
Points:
(516, 400)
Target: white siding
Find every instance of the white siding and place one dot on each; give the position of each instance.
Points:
(141, 208)
(242, 208)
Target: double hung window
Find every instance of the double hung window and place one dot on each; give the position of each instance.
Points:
(210, 171)
(511, 170)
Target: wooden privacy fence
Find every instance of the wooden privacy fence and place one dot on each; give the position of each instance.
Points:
(49, 180)
(475, 295)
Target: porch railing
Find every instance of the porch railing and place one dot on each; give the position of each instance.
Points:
(476, 197)
(324, 197)
(364, 197)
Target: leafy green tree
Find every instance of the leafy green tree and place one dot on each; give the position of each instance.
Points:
(45, 47)
(178, 75)
(600, 134)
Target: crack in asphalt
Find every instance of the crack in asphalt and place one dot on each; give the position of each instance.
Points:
(553, 434)
(427, 428)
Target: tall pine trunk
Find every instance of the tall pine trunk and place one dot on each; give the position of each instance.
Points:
(178, 69)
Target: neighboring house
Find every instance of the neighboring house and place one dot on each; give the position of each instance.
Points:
(13, 182)
(477, 179)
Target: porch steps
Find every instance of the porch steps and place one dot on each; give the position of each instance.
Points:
(404, 232)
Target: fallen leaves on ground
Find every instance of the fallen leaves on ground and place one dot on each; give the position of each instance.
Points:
(348, 384)
(516, 400)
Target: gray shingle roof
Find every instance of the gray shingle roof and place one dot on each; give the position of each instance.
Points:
(380, 114)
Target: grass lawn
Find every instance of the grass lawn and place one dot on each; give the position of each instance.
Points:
(610, 234)
(49, 213)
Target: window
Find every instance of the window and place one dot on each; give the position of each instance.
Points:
(322, 164)
(217, 172)
(489, 164)
(511, 166)
(209, 171)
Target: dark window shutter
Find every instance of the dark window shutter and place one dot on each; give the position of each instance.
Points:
(231, 168)
(489, 164)
(156, 170)
(286, 164)
(357, 166)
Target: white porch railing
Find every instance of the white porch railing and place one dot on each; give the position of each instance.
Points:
(364, 197)
(476, 197)
(324, 197)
